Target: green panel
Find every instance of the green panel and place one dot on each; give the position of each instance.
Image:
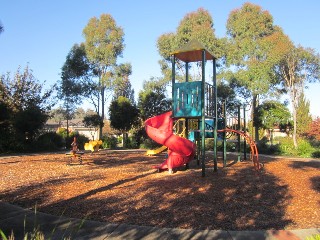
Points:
(187, 99)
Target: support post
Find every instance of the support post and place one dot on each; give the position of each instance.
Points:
(239, 129)
(215, 112)
(224, 135)
(173, 74)
(203, 156)
(244, 130)
(186, 119)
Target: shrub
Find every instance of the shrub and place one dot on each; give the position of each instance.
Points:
(149, 144)
(109, 142)
(316, 154)
(49, 141)
(304, 148)
(132, 143)
(81, 140)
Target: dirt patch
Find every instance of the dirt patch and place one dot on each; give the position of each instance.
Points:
(122, 187)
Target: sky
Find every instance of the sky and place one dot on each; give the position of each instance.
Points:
(40, 34)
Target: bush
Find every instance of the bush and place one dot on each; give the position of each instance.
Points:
(109, 142)
(49, 141)
(149, 144)
(265, 147)
(304, 148)
(81, 140)
(132, 143)
(316, 154)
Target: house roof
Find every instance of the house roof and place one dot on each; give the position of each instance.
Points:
(192, 52)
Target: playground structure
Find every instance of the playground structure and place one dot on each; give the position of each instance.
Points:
(196, 103)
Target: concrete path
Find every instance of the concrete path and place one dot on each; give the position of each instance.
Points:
(21, 221)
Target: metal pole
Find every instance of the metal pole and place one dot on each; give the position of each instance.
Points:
(186, 119)
(215, 130)
(244, 130)
(224, 135)
(239, 126)
(203, 115)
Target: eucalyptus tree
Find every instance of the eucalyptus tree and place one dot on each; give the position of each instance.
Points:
(297, 67)
(104, 43)
(122, 84)
(77, 77)
(252, 52)
(197, 25)
(76, 81)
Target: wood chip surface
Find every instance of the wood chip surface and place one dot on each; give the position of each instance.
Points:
(122, 187)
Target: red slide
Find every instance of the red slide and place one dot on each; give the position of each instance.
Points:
(180, 150)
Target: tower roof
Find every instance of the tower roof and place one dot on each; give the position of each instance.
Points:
(192, 52)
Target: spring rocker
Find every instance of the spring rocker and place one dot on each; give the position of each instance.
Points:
(74, 154)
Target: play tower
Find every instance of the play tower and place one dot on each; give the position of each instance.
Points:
(196, 100)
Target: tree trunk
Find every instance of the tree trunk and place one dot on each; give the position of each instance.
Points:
(294, 135)
(124, 139)
(254, 113)
(102, 112)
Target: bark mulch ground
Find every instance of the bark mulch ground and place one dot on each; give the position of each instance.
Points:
(122, 187)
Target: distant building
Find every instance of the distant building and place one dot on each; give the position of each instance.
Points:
(74, 125)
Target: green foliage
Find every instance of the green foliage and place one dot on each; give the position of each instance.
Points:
(314, 237)
(24, 106)
(103, 40)
(29, 122)
(49, 141)
(304, 117)
(304, 148)
(272, 113)
(152, 100)
(316, 154)
(197, 25)
(109, 142)
(123, 115)
(286, 147)
(122, 85)
(149, 144)
(94, 120)
(264, 147)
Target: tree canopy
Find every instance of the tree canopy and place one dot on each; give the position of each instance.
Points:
(103, 45)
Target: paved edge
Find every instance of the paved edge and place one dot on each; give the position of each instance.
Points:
(22, 221)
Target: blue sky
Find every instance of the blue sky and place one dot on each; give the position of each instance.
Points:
(41, 33)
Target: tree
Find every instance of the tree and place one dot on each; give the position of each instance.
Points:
(297, 67)
(5, 126)
(123, 115)
(122, 85)
(103, 45)
(271, 114)
(196, 25)
(77, 77)
(304, 117)
(26, 105)
(93, 121)
(314, 129)
(152, 99)
(251, 53)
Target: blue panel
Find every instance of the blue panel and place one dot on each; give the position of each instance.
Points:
(187, 99)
